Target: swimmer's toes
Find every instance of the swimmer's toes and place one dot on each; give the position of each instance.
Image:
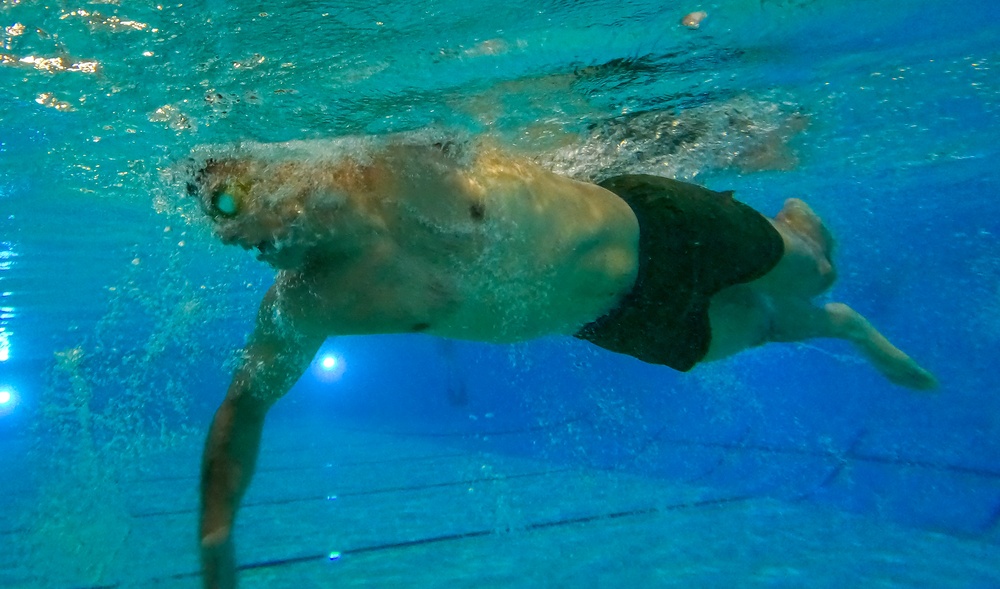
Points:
(924, 380)
(910, 375)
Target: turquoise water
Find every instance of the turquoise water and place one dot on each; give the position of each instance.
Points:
(120, 313)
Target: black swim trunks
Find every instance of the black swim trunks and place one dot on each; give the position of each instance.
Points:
(693, 242)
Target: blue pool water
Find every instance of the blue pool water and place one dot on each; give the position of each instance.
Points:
(120, 314)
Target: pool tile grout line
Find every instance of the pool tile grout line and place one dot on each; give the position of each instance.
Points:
(324, 466)
(366, 492)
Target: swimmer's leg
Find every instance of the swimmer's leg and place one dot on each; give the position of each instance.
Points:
(777, 307)
(796, 320)
(742, 317)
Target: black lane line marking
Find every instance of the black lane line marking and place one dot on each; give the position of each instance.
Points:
(13, 531)
(366, 492)
(718, 463)
(417, 542)
(939, 466)
(478, 534)
(840, 463)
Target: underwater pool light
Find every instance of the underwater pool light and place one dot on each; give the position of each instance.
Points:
(7, 401)
(329, 367)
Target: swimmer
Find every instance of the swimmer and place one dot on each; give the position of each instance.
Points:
(467, 242)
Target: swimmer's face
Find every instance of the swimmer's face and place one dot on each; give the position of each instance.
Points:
(244, 200)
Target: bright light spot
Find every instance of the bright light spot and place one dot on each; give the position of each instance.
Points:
(7, 401)
(4, 353)
(334, 555)
(329, 367)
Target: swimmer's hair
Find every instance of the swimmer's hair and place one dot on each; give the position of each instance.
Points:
(197, 181)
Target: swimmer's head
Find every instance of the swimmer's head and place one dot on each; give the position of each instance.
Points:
(251, 204)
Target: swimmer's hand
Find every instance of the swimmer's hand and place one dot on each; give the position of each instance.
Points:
(218, 561)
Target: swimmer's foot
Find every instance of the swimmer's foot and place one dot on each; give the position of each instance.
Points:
(800, 217)
(889, 360)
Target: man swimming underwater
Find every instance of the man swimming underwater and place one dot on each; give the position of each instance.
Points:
(468, 242)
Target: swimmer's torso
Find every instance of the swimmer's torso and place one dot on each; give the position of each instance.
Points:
(412, 239)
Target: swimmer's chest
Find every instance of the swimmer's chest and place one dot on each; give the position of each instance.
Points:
(497, 284)
(487, 296)
(493, 257)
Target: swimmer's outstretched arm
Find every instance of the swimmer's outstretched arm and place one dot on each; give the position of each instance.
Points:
(273, 359)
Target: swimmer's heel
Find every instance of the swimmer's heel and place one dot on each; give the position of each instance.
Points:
(806, 225)
(800, 217)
